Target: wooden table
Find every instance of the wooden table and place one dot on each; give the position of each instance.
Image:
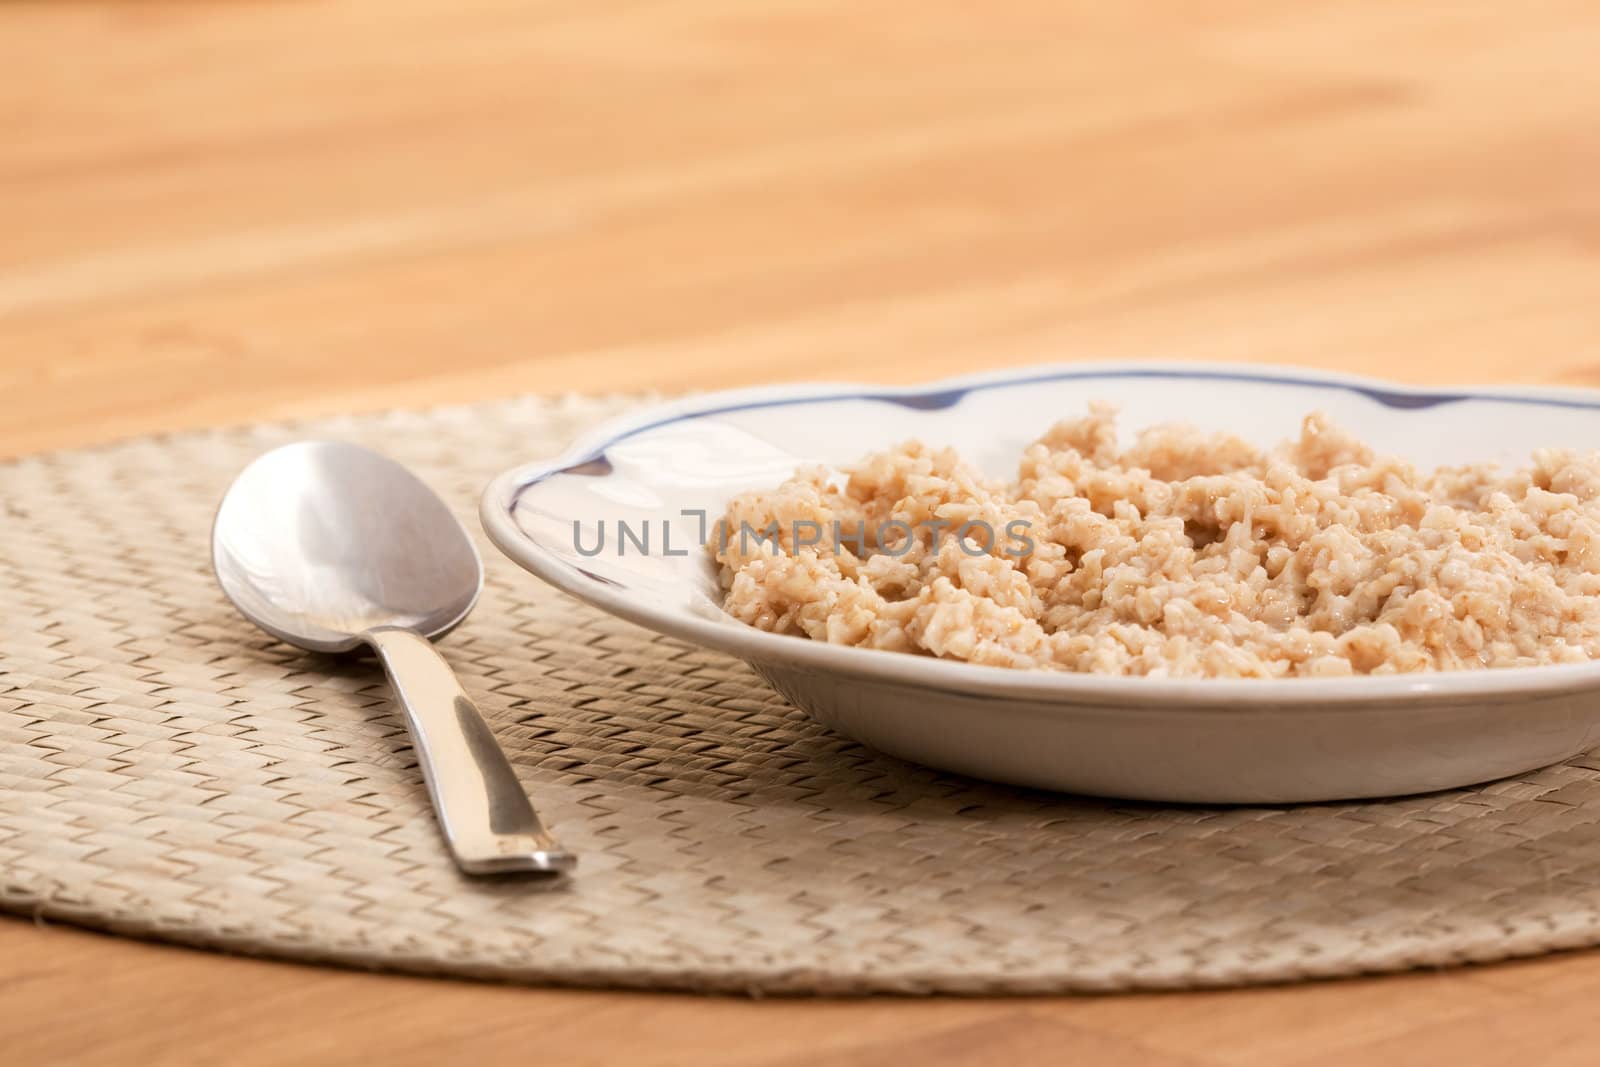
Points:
(213, 212)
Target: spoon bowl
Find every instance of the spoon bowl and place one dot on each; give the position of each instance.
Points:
(321, 541)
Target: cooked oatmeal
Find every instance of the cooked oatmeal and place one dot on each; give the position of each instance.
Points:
(1184, 554)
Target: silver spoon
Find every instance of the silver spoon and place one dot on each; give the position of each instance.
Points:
(331, 546)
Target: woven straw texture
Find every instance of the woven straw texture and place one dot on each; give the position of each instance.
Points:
(168, 771)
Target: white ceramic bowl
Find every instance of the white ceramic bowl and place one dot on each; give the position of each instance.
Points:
(1158, 739)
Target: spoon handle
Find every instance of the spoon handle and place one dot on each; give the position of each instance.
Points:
(487, 820)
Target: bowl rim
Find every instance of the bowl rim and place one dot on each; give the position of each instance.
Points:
(499, 500)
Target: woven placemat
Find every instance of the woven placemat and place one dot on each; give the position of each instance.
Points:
(168, 771)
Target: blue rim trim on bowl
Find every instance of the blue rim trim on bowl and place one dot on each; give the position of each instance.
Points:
(951, 392)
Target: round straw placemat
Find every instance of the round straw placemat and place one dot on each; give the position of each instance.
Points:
(168, 771)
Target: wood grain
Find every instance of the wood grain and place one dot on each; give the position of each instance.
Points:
(214, 212)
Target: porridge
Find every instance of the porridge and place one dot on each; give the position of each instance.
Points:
(1183, 553)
